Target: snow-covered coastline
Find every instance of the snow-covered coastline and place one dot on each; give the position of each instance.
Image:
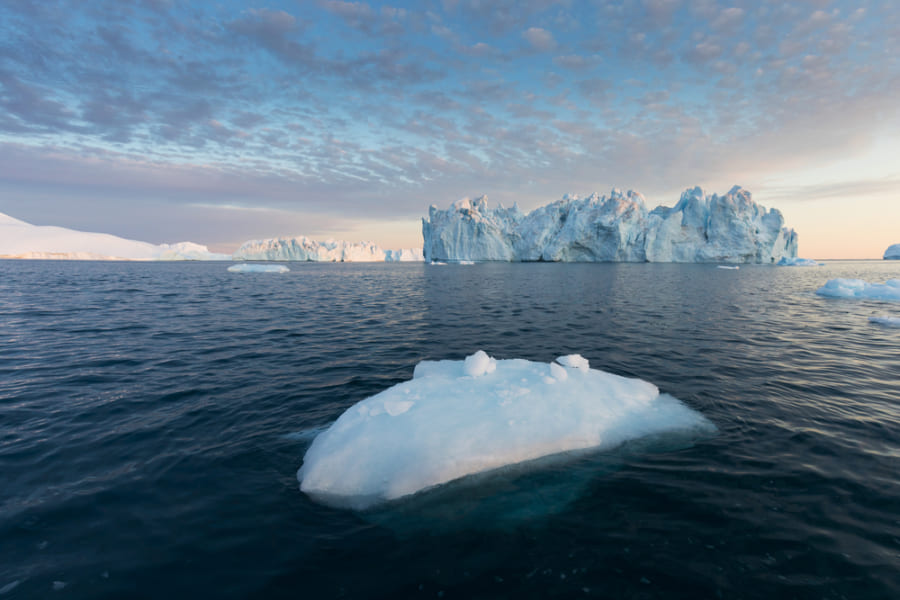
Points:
(618, 228)
(19, 239)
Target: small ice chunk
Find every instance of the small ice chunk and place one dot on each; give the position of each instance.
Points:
(797, 262)
(257, 268)
(574, 361)
(733, 268)
(58, 585)
(479, 364)
(886, 321)
(857, 288)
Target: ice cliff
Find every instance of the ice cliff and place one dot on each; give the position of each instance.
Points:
(700, 228)
(304, 249)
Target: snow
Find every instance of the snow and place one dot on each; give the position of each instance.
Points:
(461, 417)
(857, 288)
(892, 253)
(19, 239)
(301, 248)
(798, 262)
(256, 268)
(886, 321)
(700, 228)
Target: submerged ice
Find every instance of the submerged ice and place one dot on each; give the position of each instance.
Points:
(700, 228)
(457, 418)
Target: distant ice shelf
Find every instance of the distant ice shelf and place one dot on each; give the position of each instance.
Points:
(700, 228)
(460, 417)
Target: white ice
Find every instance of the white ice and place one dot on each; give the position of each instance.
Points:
(798, 262)
(301, 248)
(731, 228)
(886, 321)
(256, 268)
(734, 268)
(456, 418)
(19, 239)
(857, 288)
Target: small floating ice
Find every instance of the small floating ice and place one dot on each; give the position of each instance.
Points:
(456, 418)
(886, 321)
(857, 288)
(729, 267)
(797, 262)
(9, 587)
(257, 268)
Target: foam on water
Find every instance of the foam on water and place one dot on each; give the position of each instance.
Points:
(458, 418)
(256, 268)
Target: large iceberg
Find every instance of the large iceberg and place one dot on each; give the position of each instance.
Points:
(456, 418)
(19, 239)
(892, 253)
(301, 248)
(699, 228)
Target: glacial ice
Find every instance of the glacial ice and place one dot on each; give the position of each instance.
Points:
(857, 288)
(892, 253)
(19, 239)
(798, 262)
(699, 228)
(461, 417)
(257, 268)
(302, 248)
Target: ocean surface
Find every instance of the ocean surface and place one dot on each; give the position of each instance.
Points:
(153, 417)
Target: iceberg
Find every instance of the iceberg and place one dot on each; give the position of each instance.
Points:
(798, 262)
(700, 228)
(857, 288)
(255, 268)
(301, 248)
(892, 253)
(19, 239)
(459, 418)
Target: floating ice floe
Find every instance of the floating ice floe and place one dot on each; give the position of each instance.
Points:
(886, 321)
(255, 268)
(457, 418)
(798, 262)
(857, 288)
(728, 267)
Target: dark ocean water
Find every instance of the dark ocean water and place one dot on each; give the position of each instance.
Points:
(153, 417)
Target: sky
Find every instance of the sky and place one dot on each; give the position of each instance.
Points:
(219, 122)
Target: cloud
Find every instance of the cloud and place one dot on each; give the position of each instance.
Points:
(539, 39)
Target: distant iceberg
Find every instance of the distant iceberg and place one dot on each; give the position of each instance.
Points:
(19, 239)
(857, 288)
(700, 228)
(456, 418)
(302, 248)
(798, 262)
(892, 253)
(257, 268)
